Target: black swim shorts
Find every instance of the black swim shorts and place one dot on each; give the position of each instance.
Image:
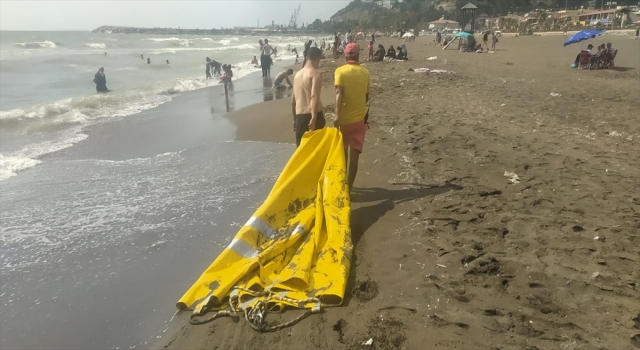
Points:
(302, 124)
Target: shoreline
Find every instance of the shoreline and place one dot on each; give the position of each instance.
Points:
(466, 258)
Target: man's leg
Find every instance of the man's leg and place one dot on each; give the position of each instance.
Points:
(302, 126)
(354, 157)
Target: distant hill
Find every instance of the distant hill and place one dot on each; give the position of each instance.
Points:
(368, 14)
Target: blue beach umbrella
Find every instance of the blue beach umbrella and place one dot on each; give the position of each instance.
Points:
(462, 34)
(584, 35)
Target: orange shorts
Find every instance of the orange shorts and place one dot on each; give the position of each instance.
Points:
(353, 135)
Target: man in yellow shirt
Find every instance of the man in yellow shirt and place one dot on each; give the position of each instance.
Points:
(352, 94)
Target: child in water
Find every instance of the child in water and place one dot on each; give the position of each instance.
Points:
(228, 74)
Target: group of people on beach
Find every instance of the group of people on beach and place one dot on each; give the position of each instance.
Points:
(380, 54)
(352, 84)
(603, 58)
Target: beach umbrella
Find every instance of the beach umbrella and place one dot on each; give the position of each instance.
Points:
(408, 35)
(584, 35)
(462, 35)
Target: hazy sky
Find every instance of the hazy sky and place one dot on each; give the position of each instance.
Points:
(87, 14)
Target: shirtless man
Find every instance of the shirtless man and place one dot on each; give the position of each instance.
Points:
(306, 106)
(284, 75)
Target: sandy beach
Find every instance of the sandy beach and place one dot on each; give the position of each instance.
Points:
(452, 250)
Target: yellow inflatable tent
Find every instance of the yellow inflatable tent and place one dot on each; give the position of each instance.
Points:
(294, 251)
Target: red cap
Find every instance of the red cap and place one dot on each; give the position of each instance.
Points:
(352, 50)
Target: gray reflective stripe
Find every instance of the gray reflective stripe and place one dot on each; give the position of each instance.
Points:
(261, 226)
(241, 248)
(247, 304)
(281, 295)
(269, 231)
(298, 230)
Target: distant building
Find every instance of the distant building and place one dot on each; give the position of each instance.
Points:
(567, 15)
(384, 3)
(444, 24)
(592, 18)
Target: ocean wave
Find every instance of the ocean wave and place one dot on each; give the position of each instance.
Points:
(173, 41)
(188, 84)
(221, 48)
(9, 166)
(28, 156)
(163, 39)
(37, 44)
(205, 39)
(79, 110)
(97, 45)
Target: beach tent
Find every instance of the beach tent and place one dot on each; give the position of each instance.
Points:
(408, 35)
(294, 251)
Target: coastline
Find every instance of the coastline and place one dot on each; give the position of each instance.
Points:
(449, 253)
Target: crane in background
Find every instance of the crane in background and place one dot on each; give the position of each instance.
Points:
(293, 23)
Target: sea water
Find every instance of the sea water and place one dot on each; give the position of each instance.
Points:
(110, 208)
(48, 95)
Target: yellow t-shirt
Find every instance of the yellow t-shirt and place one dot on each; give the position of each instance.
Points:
(354, 80)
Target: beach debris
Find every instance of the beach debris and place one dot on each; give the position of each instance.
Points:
(502, 105)
(444, 61)
(555, 94)
(443, 71)
(440, 265)
(599, 238)
(368, 342)
(513, 177)
(427, 70)
(432, 58)
(594, 275)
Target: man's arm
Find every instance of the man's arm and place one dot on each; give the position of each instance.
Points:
(339, 97)
(289, 82)
(316, 85)
(293, 111)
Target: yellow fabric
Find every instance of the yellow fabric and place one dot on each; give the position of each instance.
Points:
(355, 81)
(297, 244)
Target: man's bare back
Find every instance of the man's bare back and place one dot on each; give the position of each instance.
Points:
(306, 106)
(302, 89)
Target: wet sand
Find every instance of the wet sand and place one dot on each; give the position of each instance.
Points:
(449, 252)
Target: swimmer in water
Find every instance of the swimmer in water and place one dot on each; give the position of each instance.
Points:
(167, 61)
(228, 74)
(101, 81)
(254, 61)
(215, 67)
(148, 60)
(141, 56)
